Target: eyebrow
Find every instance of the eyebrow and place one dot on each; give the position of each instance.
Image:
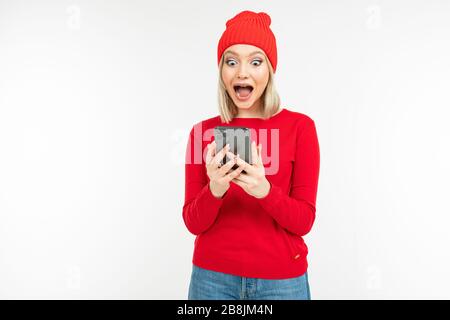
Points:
(254, 52)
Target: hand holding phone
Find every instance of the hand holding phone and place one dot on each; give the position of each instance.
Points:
(220, 176)
(239, 140)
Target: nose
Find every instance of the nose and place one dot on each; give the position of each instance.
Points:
(242, 76)
(242, 72)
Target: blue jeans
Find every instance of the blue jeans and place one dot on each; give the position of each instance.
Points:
(212, 285)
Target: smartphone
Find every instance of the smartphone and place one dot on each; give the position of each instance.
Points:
(239, 140)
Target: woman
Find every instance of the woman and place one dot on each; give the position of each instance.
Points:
(249, 225)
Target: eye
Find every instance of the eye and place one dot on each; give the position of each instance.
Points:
(229, 61)
(257, 60)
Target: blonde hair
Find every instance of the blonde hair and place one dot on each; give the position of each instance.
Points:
(270, 98)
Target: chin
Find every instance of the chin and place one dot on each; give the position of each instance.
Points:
(244, 105)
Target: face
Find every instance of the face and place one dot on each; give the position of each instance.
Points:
(245, 66)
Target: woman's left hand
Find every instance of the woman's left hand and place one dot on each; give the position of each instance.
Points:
(254, 181)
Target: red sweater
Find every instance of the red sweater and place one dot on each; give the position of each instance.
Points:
(245, 236)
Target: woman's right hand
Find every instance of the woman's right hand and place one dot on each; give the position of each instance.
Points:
(220, 176)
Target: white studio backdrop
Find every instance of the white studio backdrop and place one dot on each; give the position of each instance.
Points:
(96, 102)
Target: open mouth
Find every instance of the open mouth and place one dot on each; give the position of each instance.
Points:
(243, 92)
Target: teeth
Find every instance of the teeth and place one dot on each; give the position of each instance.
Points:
(246, 86)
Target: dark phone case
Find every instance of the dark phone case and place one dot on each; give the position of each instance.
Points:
(239, 140)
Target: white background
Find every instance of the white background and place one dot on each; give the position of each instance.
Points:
(96, 102)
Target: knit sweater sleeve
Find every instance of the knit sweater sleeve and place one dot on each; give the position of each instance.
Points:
(296, 211)
(200, 207)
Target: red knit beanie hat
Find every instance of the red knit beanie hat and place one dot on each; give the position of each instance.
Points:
(249, 27)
